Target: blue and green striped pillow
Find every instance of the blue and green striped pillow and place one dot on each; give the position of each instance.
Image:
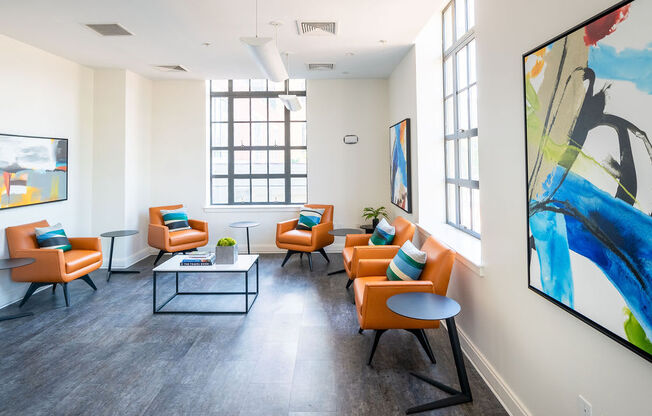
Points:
(52, 237)
(383, 234)
(309, 217)
(175, 219)
(407, 264)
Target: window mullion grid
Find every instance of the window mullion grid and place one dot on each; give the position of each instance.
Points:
(231, 152)
(287, 152)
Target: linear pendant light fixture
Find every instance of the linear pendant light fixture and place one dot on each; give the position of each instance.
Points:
(266, 55)
(291, 102)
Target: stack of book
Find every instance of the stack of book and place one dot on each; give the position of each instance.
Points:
(200, 258)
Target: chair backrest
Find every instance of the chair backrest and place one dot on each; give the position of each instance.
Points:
(155, 216)
(328, 212)
(404, 231)
(21, 237)
(438, 265)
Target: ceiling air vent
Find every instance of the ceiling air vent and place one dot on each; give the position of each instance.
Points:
(109, 29)
(321, 67)
(171, 68)
(309, 28)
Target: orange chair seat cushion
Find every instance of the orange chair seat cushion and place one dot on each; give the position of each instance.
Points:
(186, 236)
(347, 256)
(78, 259)
(358, 287)
(298, 237)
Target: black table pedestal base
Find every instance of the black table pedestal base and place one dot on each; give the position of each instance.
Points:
(336, 272)
(458, 397)
(16, 316)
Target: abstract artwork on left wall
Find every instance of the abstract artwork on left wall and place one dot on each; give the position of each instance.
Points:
(33, 170)
(588, 103)
(399, 159)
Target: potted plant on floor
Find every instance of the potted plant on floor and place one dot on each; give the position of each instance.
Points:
(374, 214)
(226, 251)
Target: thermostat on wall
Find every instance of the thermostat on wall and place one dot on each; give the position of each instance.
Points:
(350, 139)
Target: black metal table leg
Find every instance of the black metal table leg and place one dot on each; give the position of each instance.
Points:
(154, 293)
(458, 397)
(248, 248)
(110, 271)
(16, 316)
(247, 291)
(336, 272)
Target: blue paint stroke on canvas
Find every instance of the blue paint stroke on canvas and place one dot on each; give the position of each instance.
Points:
(627, 65)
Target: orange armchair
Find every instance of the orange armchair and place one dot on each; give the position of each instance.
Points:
(160, 237)
(372, 289)
(356, 247)
(306, 241)
(52, 266)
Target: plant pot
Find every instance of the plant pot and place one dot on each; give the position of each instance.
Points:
(226, 254)
(374, 222)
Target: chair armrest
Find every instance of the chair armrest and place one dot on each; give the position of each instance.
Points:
(373, 267)
(353, 240)
(85, 243)
(371, 252)
(376, 293)
(285, 226)
(49, 262)
(158, 236)
(198, 225)
(319, 235)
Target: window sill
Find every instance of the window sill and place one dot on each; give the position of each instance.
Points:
(468, 248)
(252, 208)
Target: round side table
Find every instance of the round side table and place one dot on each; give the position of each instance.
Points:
(342, 232)
(113, 235)
(8, 264)
(432, 307)
(247, 225)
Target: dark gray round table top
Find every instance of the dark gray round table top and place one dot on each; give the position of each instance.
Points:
(6, 264)
(342, 232)
(244, 224)
(425, 306)
(119, 233)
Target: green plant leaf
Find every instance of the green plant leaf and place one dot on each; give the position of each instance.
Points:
(635, 333)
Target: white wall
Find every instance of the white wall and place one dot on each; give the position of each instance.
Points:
(44, 95)
(344, 175)
(536, 356)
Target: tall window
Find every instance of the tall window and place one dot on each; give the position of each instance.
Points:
(461, 117)
(258, 147)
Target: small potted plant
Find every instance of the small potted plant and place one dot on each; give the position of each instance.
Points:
(226, 251)
(374, 214)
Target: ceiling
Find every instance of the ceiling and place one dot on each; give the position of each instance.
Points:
(171, 32)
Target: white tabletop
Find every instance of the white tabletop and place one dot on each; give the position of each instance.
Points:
(244, 263)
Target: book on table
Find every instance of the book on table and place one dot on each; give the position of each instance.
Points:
(206, 259)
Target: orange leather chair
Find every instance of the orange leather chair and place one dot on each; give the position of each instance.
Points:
(159, 236)
(372, 289)
(52, 266)
(356, 247)
(306, 241)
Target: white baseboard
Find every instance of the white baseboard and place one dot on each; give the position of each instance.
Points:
(498, 386)
(124, 262)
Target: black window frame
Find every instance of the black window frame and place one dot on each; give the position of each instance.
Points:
(454, 178)
(287, 147)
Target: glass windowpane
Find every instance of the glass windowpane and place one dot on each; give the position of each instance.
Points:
(219, 85)
(259, 109)
(276, 134)
(220, 134)
(298, 134)
(298, 161)
(475, 208)
(475, 168)
(276, 190)
(241, 190)
(470, 7)
(275, 86)
(463, 149)
(301, 114)
(463, 110)
(259, 134)
(258, 84)
(241, 109)
(241, 134)
(450, 158)
(462, 79)
(276, 110)
(220, 190)
(299, 191)
(448, 27)
(297, 84)
(259, 190)
(450, 116)
(220, 107)
(276, 161)
(220, 162)
(465, 207)
(259, 161)
(448, 76)
(472, 68)
(451, 211)
(460, 18)
(240, 85)
(473, 106)
(241, 162)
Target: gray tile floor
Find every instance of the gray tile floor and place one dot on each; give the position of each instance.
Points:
(298, 352)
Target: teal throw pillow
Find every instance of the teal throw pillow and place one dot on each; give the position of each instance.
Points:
(175, 219)
(309, 217)
(383, 234)
(407, 264)
(52, 237)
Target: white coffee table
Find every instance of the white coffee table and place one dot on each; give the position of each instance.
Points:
(243, 266)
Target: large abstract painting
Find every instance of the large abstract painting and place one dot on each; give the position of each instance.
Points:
(399, 154)
(588, 110)
(33, 170)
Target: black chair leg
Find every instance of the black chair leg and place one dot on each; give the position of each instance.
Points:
(423, 340)
(88, 280)
(349, 283)
(30, 291)
(323, 253)
(309, 260)
(54, 287)
(300, 256)
(65, 293)
(379, 333)
(287, 257)
(360, 330)
(160, 254)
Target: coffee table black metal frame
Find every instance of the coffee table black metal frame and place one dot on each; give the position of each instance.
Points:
(429, 306)
(8, 264)
(342, 232)
(113, 235)
(247, 225)
(204, 269)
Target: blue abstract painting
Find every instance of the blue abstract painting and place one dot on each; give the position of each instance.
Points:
(399, 159)
(588, 103)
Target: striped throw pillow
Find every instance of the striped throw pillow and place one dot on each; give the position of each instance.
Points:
(407, 264)
(52, 237)
(175, 219)
(383, 234)
(309, 217)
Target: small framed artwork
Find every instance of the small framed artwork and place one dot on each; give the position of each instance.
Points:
(588, 95)
(33, 170)
(400, 166)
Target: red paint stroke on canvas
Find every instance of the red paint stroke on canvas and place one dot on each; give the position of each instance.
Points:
(7, 178)
(604, 25)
